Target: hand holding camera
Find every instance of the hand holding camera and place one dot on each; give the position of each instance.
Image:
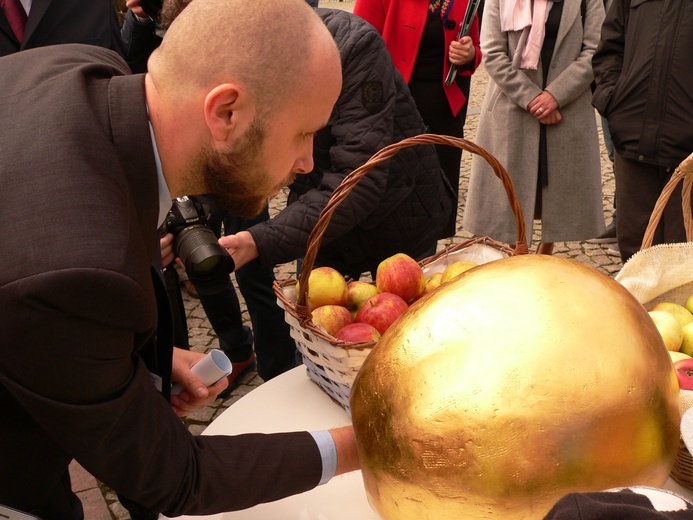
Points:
(207, 264)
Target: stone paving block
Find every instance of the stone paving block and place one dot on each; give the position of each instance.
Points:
(80, 478)
(95, 507)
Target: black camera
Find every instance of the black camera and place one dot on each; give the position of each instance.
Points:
(207, 263)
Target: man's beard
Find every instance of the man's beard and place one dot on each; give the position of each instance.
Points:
(235, 181)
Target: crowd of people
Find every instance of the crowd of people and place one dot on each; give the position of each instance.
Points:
(104, 124)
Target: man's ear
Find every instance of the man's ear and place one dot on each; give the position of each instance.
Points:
(220, 106)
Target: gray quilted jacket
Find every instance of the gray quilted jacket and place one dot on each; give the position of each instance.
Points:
(400, 206)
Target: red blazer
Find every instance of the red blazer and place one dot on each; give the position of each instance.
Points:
(401, 23)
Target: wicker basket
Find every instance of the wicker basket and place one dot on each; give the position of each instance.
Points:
(332, 363)
(665, 273)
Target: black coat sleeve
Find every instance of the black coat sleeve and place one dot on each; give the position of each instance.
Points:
(607, 62)
(362, 122)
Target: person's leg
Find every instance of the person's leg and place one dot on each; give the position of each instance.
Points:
(433, 106)
(224, 313)
(223, 310)
(274, 346)
(62, 502)
(639, 186)
(609, 235)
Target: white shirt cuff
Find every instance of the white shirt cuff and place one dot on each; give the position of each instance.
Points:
(328, 453)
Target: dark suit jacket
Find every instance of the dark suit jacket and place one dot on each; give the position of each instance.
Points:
(53, 22)
(78, 226)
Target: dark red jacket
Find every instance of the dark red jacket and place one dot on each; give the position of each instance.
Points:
(401, 22)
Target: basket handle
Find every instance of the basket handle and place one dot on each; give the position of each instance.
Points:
(340, 193)
(683, 171)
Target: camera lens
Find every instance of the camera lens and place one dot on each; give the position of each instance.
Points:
(208, 264)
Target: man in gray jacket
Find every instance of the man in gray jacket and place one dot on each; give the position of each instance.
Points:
(643, 87)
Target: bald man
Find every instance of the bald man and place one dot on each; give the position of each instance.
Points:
(91, 157)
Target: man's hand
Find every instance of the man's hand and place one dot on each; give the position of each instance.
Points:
(195, 394)
(545, 108)
(167, 254)
(240, 246)
(462, 51)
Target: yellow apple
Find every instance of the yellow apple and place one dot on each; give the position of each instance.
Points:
(678, 311)
(433, 282)
(669, 328)
(332, 318)
(358, 293)
(326, 286)
(689, 304)
(687, 343)
(456, 269)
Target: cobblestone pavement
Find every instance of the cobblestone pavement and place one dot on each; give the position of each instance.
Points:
(203, 339)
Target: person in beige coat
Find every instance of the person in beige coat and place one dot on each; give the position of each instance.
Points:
(538, 121)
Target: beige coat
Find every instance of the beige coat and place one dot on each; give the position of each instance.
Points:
(572, 206)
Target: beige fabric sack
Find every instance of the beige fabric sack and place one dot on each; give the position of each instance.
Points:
(664, 272)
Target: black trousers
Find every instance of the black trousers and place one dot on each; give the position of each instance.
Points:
(435, 110)
(638, 185)
(274, 346)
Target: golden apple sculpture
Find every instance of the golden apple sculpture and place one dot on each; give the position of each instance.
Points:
(520, 381)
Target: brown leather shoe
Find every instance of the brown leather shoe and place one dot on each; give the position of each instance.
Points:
(238, 370)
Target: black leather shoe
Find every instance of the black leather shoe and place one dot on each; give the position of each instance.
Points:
(238, 370)
(608, 237)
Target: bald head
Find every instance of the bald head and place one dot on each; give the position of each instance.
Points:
(267, 46)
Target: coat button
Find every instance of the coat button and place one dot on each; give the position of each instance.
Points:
(450, 24)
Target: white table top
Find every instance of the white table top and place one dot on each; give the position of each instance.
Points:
(292, 402)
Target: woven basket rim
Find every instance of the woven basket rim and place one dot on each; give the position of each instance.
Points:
(350, 181)
(307, 323)
(683, 171)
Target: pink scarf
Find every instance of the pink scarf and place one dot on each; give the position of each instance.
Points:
(518, 15)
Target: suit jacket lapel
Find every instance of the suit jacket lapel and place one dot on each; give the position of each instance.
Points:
(38, 9)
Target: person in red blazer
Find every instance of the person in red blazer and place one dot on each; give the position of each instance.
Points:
(421, 36)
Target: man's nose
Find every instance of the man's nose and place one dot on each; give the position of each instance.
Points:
(304, 163)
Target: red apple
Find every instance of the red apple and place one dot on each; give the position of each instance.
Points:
(684, 373)
(358, 333)
(381, 311)
(326, 286)
(358, 293)
(332, 318)
(400, 274)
